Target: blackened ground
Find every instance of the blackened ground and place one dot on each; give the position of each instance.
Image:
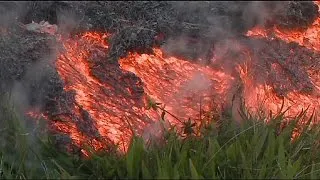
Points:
(297, 15)
(286, 67)
(135, 24)
(25, 59)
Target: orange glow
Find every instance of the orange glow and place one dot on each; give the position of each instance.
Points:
(263, 96)
(110, 98)
(294, 101)
(106, 110)
(179, 84)
(176, 83)
(309, 38)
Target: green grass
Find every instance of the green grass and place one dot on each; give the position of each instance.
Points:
(250, 150)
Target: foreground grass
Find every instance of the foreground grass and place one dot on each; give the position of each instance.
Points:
(250, 150)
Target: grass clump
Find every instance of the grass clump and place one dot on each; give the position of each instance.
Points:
(252, 149)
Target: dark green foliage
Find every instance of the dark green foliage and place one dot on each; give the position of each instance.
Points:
(250, 150)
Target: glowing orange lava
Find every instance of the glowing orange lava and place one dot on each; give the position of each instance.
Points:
(294, 100)
(110, 98)
(182, 86)
(309, 38)
(178, 84)
(74, 68)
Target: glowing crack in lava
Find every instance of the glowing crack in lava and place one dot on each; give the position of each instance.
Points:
(110, 107)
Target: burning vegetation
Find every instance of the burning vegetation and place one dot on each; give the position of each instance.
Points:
(106, 93)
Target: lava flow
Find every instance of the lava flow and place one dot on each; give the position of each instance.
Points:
(297, 65)
(179, 84)
(308, 38)
(115, 104)
(110, 99)
(102, 113)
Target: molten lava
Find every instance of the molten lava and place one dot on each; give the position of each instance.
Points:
(296, 70)
(308, 38)
(103, 112)
(109, 99)
(115, 106)
(179, 84)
